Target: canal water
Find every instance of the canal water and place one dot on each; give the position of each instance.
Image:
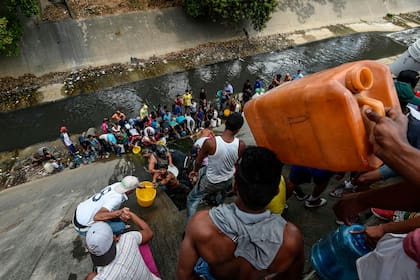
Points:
(41, 123)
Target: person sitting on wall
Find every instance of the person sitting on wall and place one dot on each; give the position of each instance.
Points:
(159, 160)
(119, 257)
(176, 190)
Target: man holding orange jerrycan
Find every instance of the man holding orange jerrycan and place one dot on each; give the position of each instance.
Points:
(319, 117)
(396, 255)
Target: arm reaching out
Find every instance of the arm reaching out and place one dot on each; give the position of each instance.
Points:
(374, 233)
(145, 230)
(104, 214)
(390, 144)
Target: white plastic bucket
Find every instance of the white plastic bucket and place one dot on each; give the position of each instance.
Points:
(409, 60)
(213, 123)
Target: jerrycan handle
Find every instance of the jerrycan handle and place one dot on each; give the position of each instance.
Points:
(357, 80)
(376, 105)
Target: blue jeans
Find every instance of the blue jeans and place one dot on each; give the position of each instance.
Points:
(202, 269)
(202, 188)
(299, 175)
(117, 226)
(72, 149)
(386, 172)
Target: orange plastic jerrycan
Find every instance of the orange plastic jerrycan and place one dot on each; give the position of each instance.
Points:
(317, 121)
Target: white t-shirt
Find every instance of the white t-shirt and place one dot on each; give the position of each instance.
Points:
(107, 198)
(193, 107)
(133, 132)
(128, 263)
(66, 139)
(388, 261)
(104, 137)
(190, 123)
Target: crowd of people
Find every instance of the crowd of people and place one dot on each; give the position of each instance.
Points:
(156, 125)
(247, 239)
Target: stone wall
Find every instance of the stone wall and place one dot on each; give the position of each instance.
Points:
(70, 44)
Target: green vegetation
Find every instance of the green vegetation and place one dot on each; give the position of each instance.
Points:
(11, 29)
(257, 11)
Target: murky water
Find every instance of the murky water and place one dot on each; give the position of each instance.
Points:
(41, 123)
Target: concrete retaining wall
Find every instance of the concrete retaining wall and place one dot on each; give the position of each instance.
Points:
(70, 44)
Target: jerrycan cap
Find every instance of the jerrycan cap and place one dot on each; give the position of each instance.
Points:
(359, 79)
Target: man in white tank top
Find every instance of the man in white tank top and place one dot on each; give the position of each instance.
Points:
(222, 152)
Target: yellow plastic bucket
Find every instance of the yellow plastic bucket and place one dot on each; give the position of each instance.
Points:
(136, 150)
(146, 184)
(146, 196)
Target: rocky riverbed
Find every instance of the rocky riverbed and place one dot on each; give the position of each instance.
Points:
(16, 167)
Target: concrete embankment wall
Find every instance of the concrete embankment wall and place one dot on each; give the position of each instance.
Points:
(70, 44)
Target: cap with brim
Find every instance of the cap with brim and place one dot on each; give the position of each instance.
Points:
(406, 93)
(100, 243)
(128, 183)
(173, 170)
(105, 259)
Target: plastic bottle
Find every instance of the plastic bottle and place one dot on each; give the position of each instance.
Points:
(316, 121)
(334, 257)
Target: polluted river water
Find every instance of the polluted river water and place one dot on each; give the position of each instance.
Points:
(41, 123)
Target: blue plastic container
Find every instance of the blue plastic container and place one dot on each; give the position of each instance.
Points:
(334, 257)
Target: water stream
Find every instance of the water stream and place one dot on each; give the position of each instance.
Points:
(41, 123)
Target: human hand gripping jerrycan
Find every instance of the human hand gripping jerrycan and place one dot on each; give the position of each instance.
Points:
(317, 121)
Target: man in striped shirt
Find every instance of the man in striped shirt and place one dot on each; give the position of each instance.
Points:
(119, 257)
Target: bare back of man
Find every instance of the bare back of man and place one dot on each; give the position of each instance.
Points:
(204, 239)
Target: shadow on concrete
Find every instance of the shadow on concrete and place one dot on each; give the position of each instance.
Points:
(189, 25)
(304, 9)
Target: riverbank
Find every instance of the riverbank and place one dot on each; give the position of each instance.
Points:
(29, 90)
(16, 167)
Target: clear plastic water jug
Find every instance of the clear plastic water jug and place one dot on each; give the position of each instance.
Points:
(317, 121)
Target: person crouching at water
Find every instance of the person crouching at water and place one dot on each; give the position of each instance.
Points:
(159, 160)
(105, 206)
(176, 191)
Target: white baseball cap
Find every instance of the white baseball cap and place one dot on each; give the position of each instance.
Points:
(128, 183)
(100, 243)
(173, 170)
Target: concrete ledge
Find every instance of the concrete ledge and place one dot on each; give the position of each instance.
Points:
(70, 44)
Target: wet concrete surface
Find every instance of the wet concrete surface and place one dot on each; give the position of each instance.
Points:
(37, 242)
